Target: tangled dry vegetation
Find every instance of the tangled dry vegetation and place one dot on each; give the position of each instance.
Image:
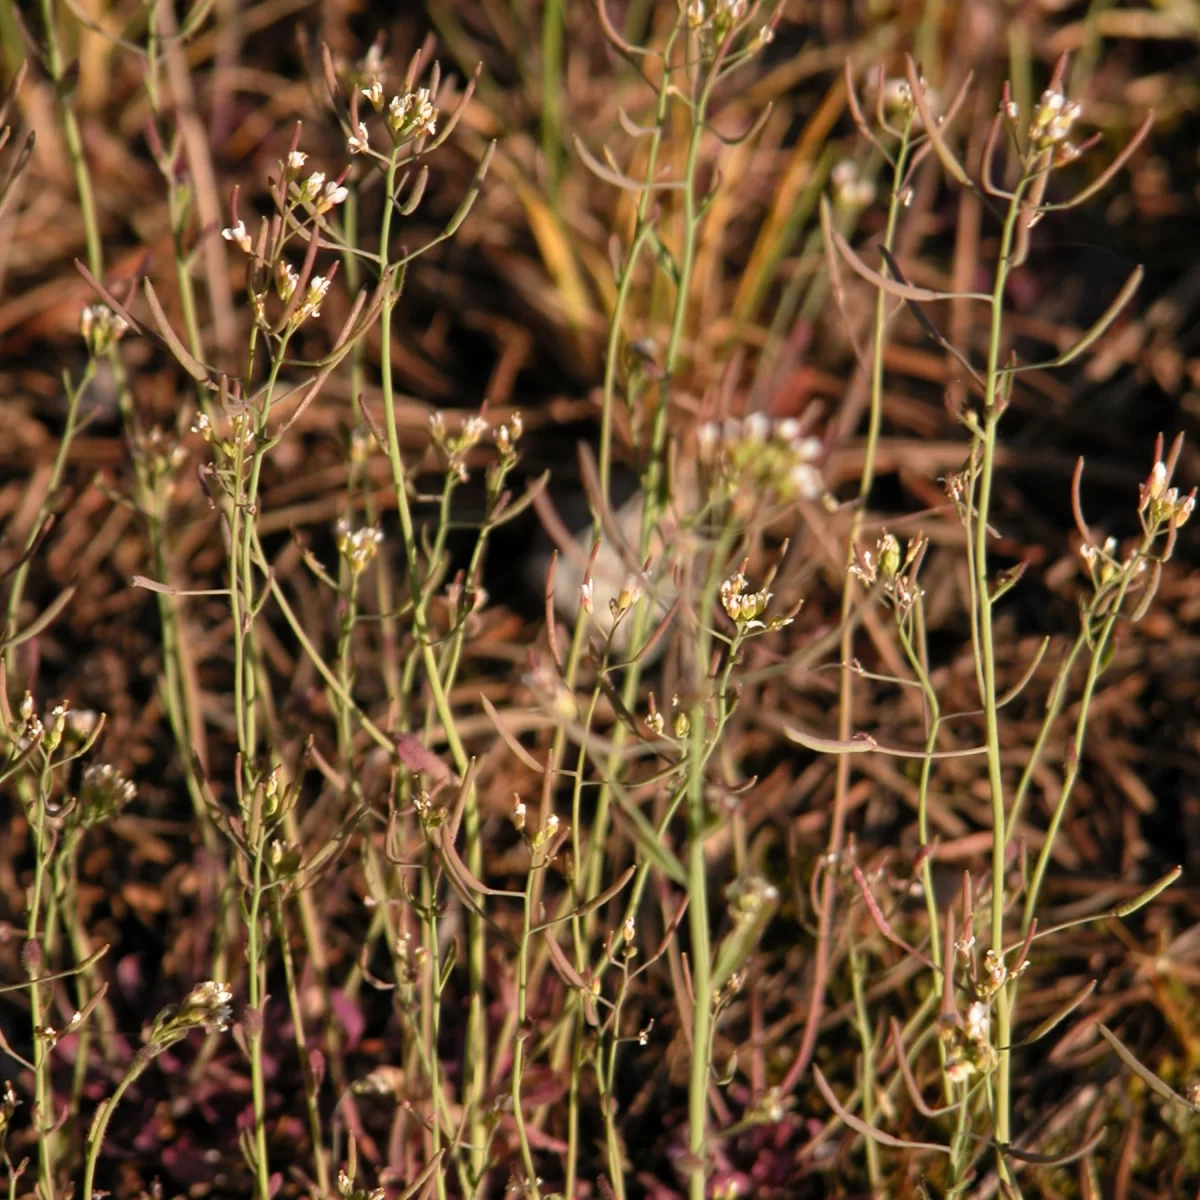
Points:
(820, 820)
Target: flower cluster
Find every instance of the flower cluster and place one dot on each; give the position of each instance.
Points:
(969, 1049)
(101, 328)
(631, 592)
(897, 102)
(1052, 120)
(159, 451)
(207, 1006)
(718, 15)
(357, 546)
(762, 455)
(103, 793)
(241, 435)
(897, 573)
(655, 722)
(851, 192)
(8, 1106)
(412, 115)
(742, 607)
(1103, 562)
(1160, 505)
(457, 447)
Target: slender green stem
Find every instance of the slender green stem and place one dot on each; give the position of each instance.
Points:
(867, 1072)
(256, 974)
(44, 1116)
(837, 822)
(700, 745)
(95, 1140)
(1096, 666)
(518, 1067)
(311, 1099)
(475, 1071)
(987, 655)
(83, 180)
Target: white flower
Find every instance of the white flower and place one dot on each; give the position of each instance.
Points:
(285, 281)
(318, 285)
(707, 436)
(474, 429)
(358, 142)
(849, 190)
(374, 93)
(333, 193)
(357, 546)
(977, 1022)
(238, 236)
(806, 480)
(1052, 119)
(787, 429)
(756, 427)
(100, 327)
(295, 160)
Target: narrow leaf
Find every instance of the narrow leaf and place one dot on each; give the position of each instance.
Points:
(1059, 1015)
(869, 1131)
(1144, 1073)
(509, 738)
(1097, 331)
(1143, 898)
(44, 619)
(647, 837)
(1055, 1160)
(881, 921)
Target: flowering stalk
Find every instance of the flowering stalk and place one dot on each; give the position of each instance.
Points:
(837, 825)
(206, 1007)
(476, 1036)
